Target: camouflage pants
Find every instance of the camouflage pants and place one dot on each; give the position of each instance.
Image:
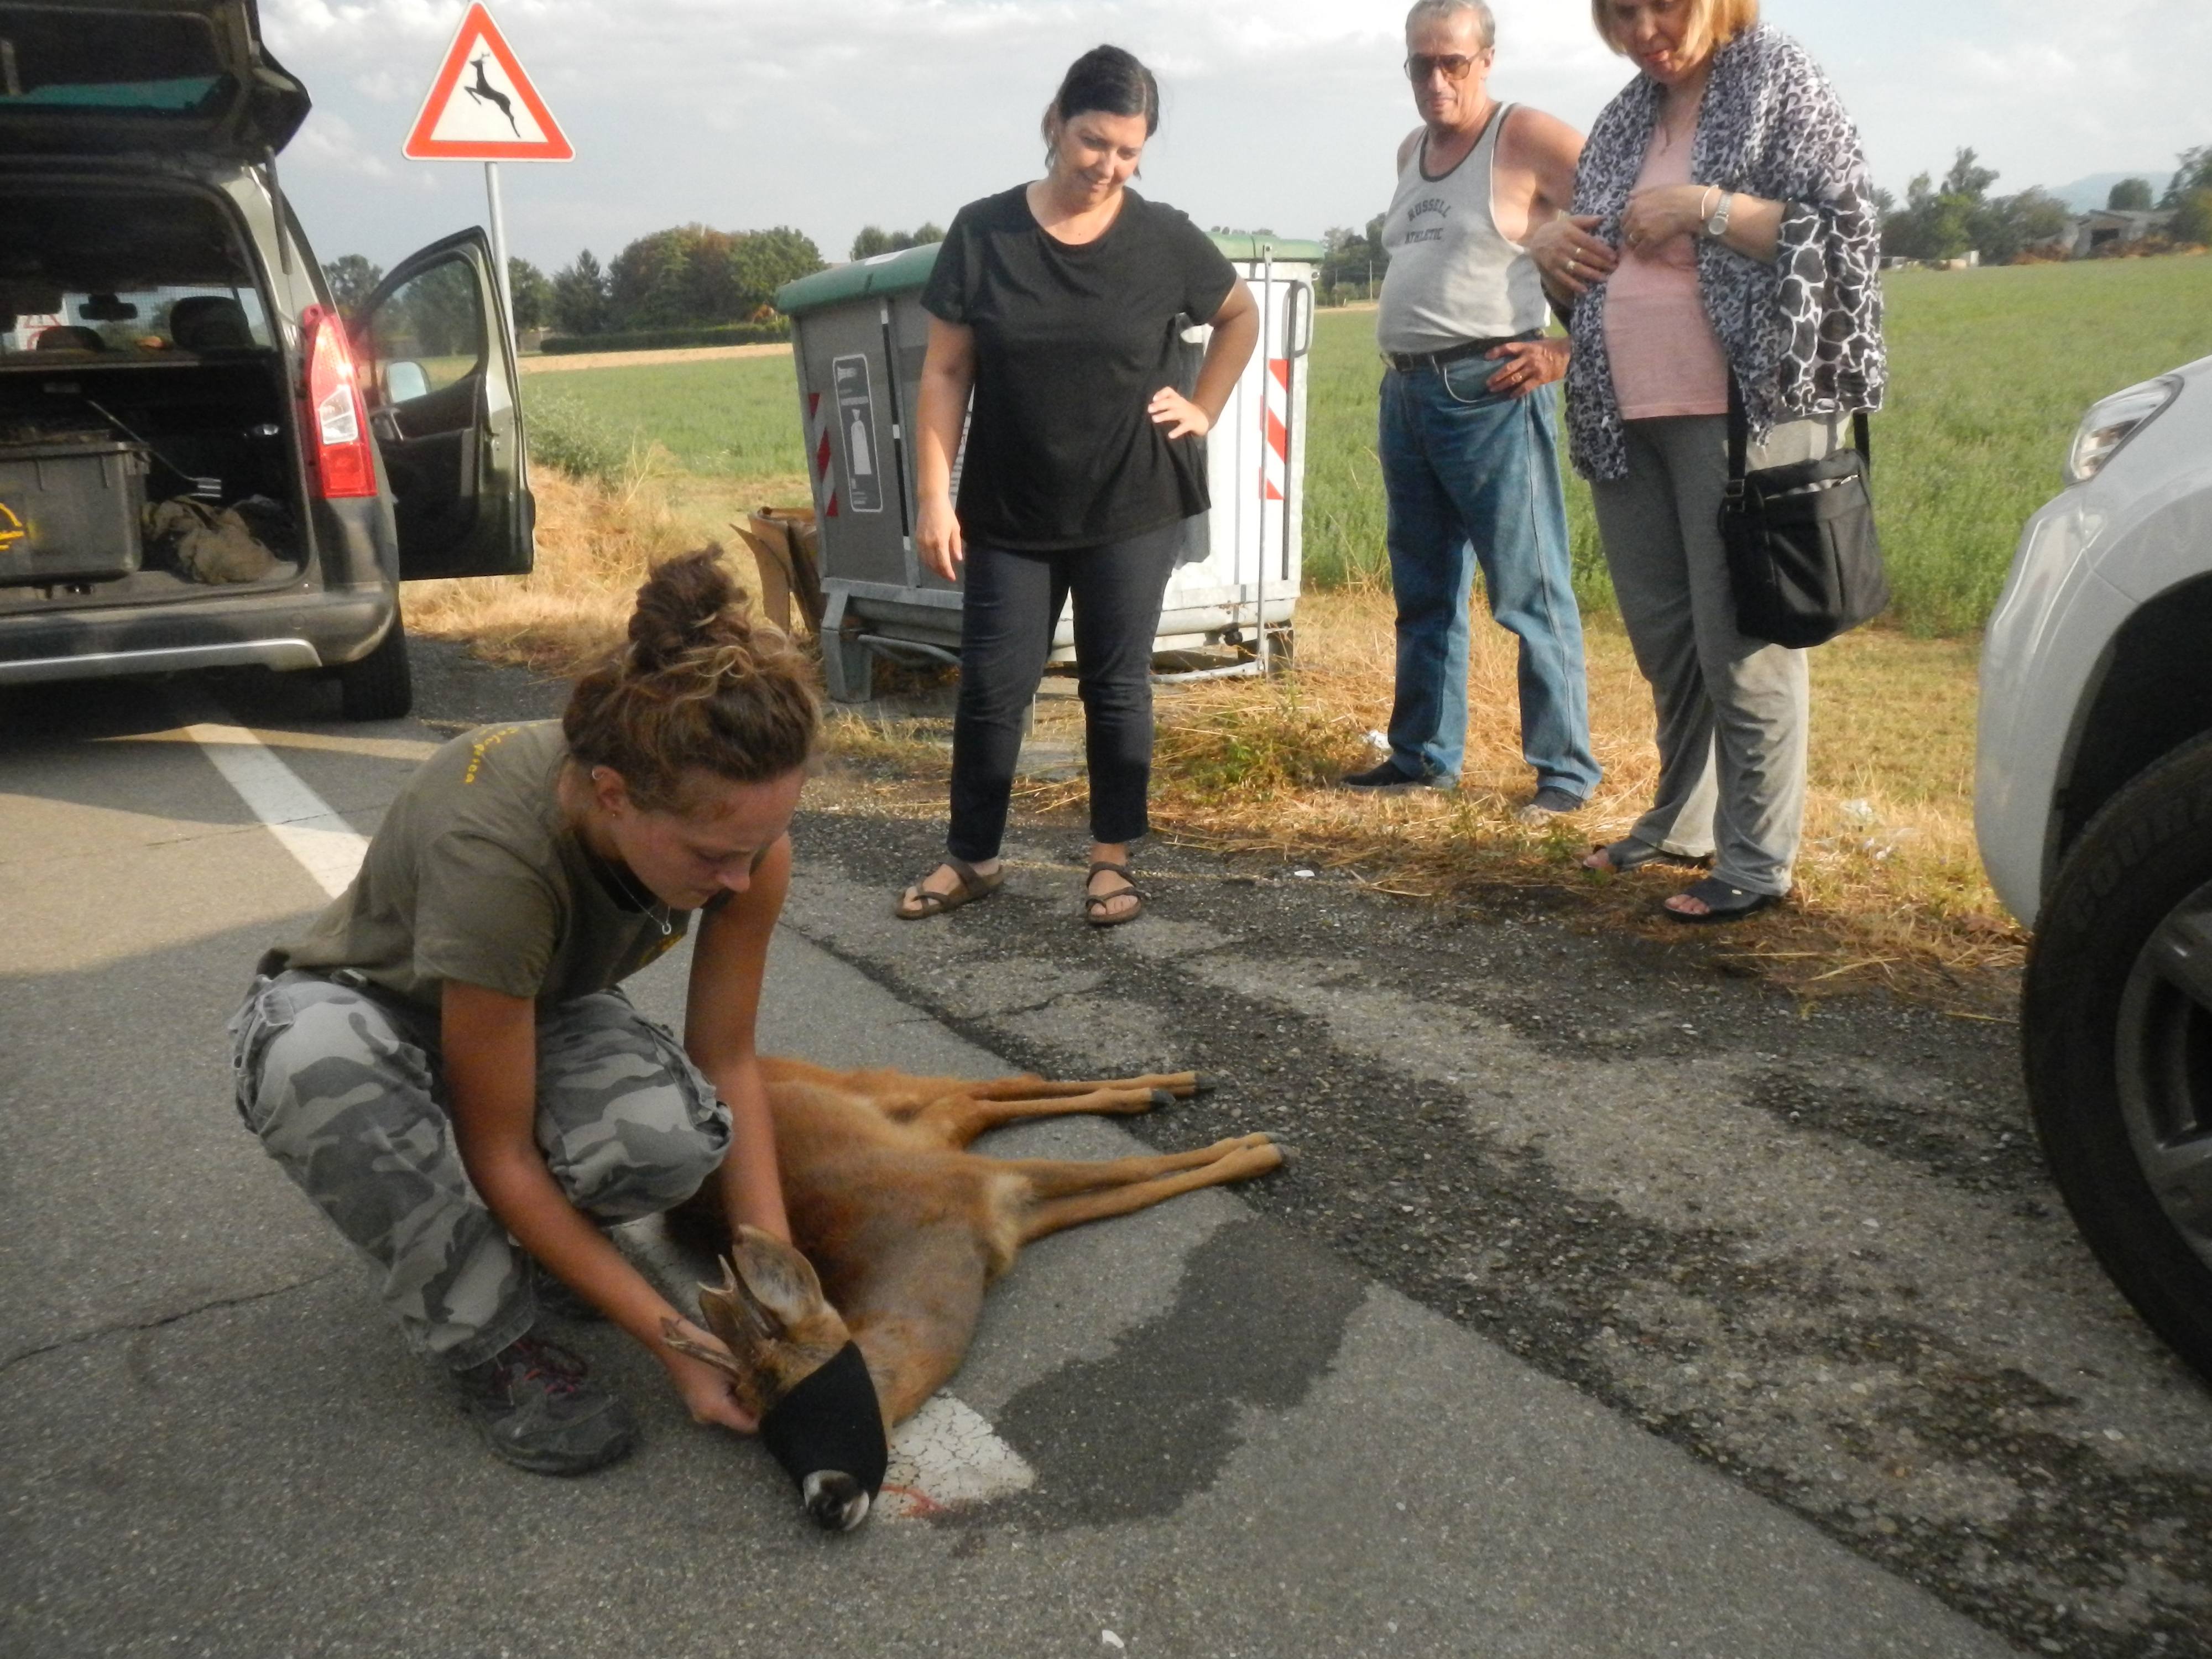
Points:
(346, 1091)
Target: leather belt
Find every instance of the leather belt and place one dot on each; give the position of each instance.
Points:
(1411, 362)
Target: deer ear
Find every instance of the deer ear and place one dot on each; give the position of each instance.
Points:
(778, 1281)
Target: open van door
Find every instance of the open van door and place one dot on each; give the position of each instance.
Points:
(439, 377)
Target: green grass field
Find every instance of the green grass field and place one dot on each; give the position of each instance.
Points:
(1990, 371)
(735, 419)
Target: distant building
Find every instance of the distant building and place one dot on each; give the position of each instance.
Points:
(2102, 227)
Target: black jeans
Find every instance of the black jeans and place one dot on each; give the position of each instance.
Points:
(1012, 604)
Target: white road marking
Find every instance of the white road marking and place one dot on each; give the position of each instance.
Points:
(327, 848)
(946, 1455)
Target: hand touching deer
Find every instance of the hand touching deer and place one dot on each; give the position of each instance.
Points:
(899, 1229)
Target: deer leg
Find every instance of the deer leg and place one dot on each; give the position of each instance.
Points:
(1241, 1163)
(958, 1119)
(1181, 1084)
(1056, 1177)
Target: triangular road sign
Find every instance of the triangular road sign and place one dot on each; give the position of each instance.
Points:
(482, 107)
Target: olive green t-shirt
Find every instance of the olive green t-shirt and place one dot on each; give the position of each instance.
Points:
(475, 875)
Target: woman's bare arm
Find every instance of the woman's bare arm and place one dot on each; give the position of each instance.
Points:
(948, 375)
(728, 964)
(1236, 331)
(490, 1044)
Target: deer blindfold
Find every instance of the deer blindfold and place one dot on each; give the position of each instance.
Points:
(832, 1421)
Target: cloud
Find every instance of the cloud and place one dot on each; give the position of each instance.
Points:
(828, 114)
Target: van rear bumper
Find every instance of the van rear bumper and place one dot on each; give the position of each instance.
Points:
(283, 631)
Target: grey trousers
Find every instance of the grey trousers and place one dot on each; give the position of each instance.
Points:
(1731, 710)
(346, 1091)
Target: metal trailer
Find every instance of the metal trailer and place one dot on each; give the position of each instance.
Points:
(859, 335)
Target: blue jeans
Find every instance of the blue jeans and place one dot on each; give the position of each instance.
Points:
(1472, 475)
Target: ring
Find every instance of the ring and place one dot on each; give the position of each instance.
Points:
(1570, 265)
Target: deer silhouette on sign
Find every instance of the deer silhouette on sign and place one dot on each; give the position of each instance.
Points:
(484, 93)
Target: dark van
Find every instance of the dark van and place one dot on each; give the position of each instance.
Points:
(202, 464)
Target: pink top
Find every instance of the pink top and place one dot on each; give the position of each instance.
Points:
(1665, 359)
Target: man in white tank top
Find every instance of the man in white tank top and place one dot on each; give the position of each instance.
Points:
(1469, 420)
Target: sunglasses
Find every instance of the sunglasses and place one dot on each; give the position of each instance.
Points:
(1456, 65)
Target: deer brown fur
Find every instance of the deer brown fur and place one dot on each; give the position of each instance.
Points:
(900, 1229)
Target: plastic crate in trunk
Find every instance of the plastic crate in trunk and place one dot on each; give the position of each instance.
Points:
(69, 512)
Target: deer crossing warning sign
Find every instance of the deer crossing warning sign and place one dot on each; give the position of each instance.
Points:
(482, 107)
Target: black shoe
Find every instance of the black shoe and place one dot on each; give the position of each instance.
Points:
(1548, 802)
(534, 1408)
(1389, 776)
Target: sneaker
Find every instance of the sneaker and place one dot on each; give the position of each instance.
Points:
(534, 1408)
(1548, 803)
(1387, 777)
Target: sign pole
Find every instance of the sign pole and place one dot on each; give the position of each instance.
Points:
(499, 253)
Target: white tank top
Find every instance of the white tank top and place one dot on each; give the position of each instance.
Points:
(1452, 276)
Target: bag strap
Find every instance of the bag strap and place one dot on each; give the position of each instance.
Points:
(1738, 438)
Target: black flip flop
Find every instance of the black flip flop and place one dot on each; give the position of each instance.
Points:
(1724, 900)
(1621, 856)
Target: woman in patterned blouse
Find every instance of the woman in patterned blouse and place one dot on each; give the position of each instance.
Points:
(1723, 229)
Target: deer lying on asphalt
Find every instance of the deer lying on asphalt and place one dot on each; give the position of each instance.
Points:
(899, 1229)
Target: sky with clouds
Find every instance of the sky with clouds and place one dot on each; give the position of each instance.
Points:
(829, 114)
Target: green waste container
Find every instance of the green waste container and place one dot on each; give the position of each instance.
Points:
(859, 334)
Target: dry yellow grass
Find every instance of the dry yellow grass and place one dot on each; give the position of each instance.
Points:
(595, 545)
(1890, 887)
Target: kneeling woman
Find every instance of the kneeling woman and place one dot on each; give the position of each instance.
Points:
(445, 1063)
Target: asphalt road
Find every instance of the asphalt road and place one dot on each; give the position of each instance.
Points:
(1611, 1308)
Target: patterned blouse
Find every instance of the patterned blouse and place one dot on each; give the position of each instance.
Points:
(1802, 333)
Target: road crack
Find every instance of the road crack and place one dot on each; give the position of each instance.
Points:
(128, 1327)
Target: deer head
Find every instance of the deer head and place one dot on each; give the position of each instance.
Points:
(792, 1363)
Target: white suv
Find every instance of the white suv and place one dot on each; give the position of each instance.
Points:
(2093, 809)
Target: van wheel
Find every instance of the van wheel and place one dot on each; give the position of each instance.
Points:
(2116, 1026)
(378, 686)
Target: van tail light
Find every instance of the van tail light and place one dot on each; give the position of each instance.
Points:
(345, 464)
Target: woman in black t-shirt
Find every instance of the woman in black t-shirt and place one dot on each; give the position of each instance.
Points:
(1060, 305)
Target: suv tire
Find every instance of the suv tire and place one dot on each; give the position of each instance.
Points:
(2116, 1028)
(378, 686)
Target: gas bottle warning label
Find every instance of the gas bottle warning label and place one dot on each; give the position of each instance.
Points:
(856, 426)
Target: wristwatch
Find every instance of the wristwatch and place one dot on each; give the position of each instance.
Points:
(1717, 226)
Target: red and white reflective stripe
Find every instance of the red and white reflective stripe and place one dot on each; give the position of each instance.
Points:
(817, 442)
(1275, 464)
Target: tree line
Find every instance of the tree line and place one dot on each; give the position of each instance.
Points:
(690, 276)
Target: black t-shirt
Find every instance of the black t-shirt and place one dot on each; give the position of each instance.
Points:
(1071, 345)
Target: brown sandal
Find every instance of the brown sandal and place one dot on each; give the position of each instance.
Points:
(926, 903)
(1094, 903)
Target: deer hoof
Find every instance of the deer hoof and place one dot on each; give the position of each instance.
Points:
(1163, 1098)
(1203, 1083)
(835, 1501)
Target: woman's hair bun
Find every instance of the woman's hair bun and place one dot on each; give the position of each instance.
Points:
(701, 686)
(686, 603)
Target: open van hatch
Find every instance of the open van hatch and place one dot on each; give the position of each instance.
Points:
(88, 77)
(146, 429)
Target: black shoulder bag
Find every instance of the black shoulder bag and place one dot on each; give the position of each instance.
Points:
(1803, 557)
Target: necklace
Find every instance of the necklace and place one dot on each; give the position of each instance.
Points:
(628, 890)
